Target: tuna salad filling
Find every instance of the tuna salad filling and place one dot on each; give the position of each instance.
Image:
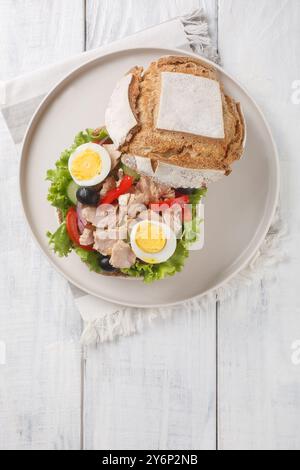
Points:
(118, 221)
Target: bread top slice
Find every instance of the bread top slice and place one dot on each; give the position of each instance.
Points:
(178, 148)
(190, 104)
(181, 159)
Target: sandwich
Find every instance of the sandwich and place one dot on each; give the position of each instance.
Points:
(129, 194)
(175, 123)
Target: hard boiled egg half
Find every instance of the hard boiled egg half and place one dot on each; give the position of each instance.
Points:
(89, 164)
(153, 242)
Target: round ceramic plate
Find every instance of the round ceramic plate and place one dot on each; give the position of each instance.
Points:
(238, 209)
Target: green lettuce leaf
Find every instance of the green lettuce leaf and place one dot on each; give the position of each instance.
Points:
(90, 258)
(60, 176)
(60, 241)
(100, 135)
(154, 272)
(196, 196)
(62, 245)
(130, 172)
(192, 228)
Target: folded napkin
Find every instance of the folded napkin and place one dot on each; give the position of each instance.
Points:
(19, 99)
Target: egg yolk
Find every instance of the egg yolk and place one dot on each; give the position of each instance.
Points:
(150, 238)
(86, 165)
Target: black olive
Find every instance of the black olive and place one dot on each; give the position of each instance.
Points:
(186, 190)
(88, 196)
(106, 266)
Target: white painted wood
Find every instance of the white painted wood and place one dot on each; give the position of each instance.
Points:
(156, 390)
(109, 20)
(40, 392)
(259, 399)
(34, 33)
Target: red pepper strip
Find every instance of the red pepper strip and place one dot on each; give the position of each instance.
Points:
(124, 186)
(72, 228)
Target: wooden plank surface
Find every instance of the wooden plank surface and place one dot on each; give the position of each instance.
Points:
(259, 386)
(40, 392)
(109, 20)
(156, 390)
(34, 33)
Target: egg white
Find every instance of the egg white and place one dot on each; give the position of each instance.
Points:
(105, 164)
(164, 254)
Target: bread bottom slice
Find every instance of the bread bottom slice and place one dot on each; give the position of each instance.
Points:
(116, 274)
(172, 175)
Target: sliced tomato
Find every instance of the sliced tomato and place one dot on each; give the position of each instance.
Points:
(187, 214)
(184, 201)
(181, 201)
(72, 228)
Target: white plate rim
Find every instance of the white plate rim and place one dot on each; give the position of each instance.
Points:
(175, 51)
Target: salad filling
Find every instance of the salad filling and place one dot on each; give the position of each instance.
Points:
(116, 220)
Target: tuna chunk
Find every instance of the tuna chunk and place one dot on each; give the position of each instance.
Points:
(122, 255)
(89, 214)
(152, 190)
(106, 216)
(173, 218)
(123, 208)
(108, 185)
(149, 215)
(113, 153)
(117, 233)
(102, 244)
(136, 205)
(87, 237)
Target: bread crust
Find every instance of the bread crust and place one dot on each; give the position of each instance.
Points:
(177, 148)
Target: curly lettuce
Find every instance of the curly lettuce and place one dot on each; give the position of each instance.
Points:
(192, 228)
(154, 272)
(90, 258)
(60, 241)
(62, 246)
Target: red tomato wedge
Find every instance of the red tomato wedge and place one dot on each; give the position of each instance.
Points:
(72, 228)
(181, 201)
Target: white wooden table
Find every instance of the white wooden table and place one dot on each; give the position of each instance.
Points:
(223, 378)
